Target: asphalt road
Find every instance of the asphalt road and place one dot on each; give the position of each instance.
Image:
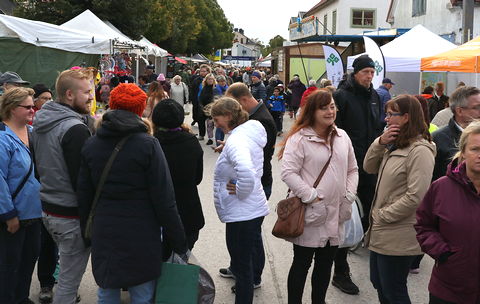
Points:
(212, 254)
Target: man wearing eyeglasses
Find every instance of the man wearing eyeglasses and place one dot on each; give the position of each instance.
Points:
(465, 105)
(10, 80)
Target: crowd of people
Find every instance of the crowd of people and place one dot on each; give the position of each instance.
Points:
(122, 188)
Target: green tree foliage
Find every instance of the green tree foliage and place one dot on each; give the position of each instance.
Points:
(275, 42)
(187, 26)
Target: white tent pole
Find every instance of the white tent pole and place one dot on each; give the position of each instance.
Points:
(420, 83)
(137, 68)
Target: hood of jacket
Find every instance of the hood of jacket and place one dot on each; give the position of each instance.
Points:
(458, 173)
(170, 137)
(254, 130)
(351, 85)
(52, 114)
(120, 123)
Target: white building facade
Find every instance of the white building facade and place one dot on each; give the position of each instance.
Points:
(349, 17)
(243, 51)
(443, 17)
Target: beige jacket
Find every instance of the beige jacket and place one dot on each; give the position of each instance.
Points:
(404, 176)
(304, 157)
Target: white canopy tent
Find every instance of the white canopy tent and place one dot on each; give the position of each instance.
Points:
(53, 36)
(89, 22)
(404, 53)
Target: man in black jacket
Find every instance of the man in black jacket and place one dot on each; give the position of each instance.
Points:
(465, 105)
(257, 111)
(358, 114)
(195, 87)
(439, 101)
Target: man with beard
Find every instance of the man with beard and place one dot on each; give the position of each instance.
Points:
(359, 115)
(60, 131)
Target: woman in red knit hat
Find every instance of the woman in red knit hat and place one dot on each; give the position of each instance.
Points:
(136, 201)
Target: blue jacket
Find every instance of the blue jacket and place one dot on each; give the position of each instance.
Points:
(385, 96)
(14, 164)
(276, 103)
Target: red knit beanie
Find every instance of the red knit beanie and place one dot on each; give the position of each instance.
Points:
(128, 97)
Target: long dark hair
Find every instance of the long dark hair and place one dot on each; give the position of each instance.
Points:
(318, 99)
(408, 104)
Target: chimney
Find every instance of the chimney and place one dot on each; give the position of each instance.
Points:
(235, 30)
(240, 31)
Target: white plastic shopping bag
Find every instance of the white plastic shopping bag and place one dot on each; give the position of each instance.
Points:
(353, 229)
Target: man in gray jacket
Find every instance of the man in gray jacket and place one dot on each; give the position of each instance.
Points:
(60, 131)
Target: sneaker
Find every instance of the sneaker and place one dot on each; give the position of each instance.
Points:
(46, 295)
(415, 271)
(78, 299)
(193, 123)
(209, 142)
(344, 282)
(201, 138)
(226, 273)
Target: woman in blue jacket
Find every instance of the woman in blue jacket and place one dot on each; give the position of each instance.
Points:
(20, 208)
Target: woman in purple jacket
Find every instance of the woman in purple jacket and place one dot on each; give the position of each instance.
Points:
(447, 226)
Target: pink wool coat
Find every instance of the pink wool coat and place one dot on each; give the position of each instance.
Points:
(304, 157)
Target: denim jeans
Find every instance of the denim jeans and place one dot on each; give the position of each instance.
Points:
(302, 259)
(73, 256)
(18, 255)
(140, 294)
(244, 243)
(388, 275)
(47, 261)
(219, 135)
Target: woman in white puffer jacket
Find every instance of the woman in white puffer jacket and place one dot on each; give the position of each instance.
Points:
(238, 192)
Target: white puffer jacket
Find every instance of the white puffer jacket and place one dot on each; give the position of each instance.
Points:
(241, 160)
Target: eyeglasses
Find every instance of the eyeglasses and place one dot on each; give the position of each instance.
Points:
(26, 107)
(390, 114)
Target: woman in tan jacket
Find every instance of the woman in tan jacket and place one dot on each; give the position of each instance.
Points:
(403, 157)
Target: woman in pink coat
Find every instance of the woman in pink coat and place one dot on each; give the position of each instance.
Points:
(304, 153)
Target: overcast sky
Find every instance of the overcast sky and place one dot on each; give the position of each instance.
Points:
(264, 19)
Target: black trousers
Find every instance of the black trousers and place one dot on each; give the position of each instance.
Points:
(47, 261)
(435, 300)
(322, 267)
(18, 255)
(388, 275)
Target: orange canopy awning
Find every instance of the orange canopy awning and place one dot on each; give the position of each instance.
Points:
(465, 59)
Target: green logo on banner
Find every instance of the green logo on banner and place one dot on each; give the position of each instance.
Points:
(332, 59)
(378, 67)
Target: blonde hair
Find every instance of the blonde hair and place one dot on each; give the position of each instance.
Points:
(67, 80)
(204, 82)
(177, 77)
(12, 99)
(226, 106)
(472, 129)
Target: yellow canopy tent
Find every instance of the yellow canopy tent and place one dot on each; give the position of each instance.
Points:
(463, 59)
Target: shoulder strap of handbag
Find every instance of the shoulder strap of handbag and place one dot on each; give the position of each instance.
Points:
(25, 178)
(319, 178)
(103, 177)
(324, 169)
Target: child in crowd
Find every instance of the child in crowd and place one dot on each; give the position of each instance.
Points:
(276, 104)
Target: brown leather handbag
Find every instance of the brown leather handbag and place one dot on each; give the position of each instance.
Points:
(291, 211)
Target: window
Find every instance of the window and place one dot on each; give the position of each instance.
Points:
(325, 20)
(334, 22)
(419, 7)
(363, 18)
(241, 40)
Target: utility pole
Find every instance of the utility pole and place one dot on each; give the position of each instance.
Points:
(467, 20)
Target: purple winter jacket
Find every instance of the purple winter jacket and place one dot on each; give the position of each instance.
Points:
(448, 221)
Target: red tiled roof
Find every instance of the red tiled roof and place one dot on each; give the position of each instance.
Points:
(457, 2)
